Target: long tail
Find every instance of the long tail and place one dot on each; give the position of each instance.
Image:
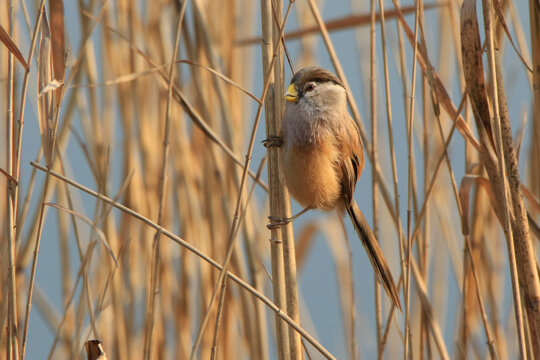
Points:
(374, 252)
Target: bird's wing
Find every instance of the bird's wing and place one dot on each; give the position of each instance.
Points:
(352, 163)
(352, 158)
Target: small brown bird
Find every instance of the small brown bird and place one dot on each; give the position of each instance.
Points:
(322, 157)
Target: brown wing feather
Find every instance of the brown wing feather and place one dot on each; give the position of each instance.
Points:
(352, 158)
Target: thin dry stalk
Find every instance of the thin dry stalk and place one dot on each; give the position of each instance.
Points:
(374, 160)
(223, 289)
(352, 302)
(463, 204)
(343, 260)
(155, 278)
(49, 111)
(260, 348)
(221, 301)
(12, 326)
(280, 313)
(393, 163)
(432, 182)
(423, 243)
(427, 309)
(59, 330)
(410, 186)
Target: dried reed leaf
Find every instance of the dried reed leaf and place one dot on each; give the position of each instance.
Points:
(45, 101)
(10, 178)
(529, 195)
(56, 8)
(100, 234)
(520, 134)
(6, 39)
(500, 16)
(525, 251)
(464, 195)
(471, 52)
(304, 242)
(534, 226)
(94, 350)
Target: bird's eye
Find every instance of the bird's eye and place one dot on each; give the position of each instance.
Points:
(309, 87)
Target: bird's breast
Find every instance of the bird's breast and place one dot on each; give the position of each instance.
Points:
(312, 173)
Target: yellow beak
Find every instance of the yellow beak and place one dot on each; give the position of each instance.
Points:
(291, 94)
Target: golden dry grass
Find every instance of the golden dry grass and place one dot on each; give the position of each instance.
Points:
(148, 180)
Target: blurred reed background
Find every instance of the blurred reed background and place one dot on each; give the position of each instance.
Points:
(133, 170)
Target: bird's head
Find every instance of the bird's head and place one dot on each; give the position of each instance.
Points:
(315, 89)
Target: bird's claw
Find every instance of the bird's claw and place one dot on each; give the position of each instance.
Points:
(277, 222)
(273, 140)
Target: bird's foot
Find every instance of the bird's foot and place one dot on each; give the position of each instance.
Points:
(273, 140)
(277, 222)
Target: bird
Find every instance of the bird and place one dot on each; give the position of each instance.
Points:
(322, 157)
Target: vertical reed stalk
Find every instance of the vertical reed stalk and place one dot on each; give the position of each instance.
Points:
(531, 284)
(410, 187)
(276, 243)
(375, 160)
(12, 328)
(236, 218)
(534, 19)
(393, 157)
(521, 227)
(289, 254)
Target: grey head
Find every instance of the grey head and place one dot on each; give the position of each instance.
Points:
(315, 92)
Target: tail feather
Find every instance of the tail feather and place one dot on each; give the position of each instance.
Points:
(374, 252)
